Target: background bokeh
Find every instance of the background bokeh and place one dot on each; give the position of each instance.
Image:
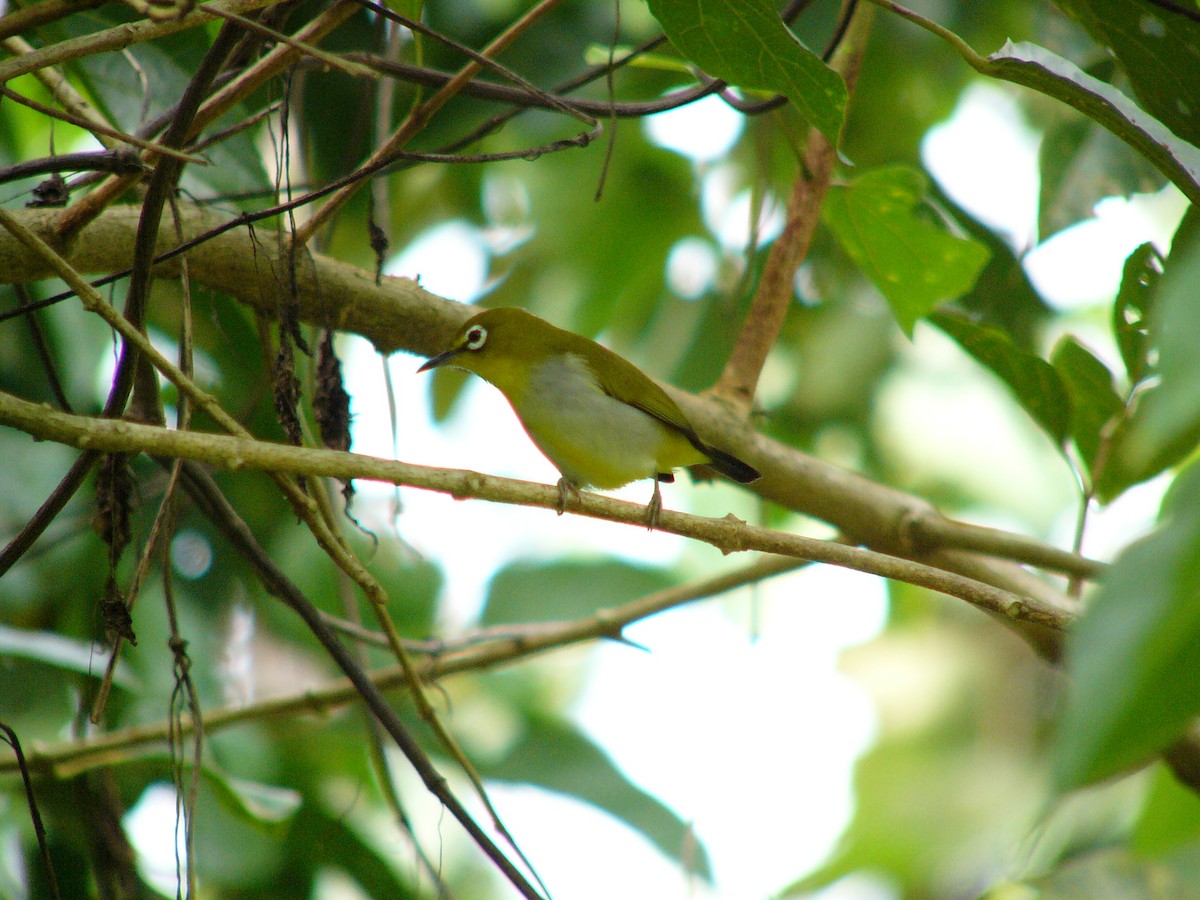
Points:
(822, 733)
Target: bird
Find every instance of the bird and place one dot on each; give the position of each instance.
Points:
(596, 416)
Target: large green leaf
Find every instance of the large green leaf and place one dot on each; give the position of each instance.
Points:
(539, 592)
(553, 754)
(1134, 657)
(745, 43)
(62, 652)
(914, 263)
(1159, 49)
(1034, 382)
(1050, 74)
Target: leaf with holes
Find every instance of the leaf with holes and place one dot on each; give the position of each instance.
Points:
(1165, 426)
(1135, 299)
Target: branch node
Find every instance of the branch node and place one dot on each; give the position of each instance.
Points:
(1015, 609)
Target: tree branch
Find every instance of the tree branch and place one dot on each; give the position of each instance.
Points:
(774, 295)
(728, 534)
(417, 119)
(117, 38)
(400, 315)
(475, 651)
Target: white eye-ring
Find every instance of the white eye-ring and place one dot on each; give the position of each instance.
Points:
(476, 337)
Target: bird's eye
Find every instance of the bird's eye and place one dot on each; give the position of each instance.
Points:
(476, 337)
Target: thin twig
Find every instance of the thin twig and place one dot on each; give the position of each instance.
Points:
(89, 160)
(116, 38)
(121, 163)
(42, 347)
(39, 830)
(301, 502)
(330, 60)
(420, 116)
(279, 58)
(22, 20)
(728, 535)
(484, 60)
(99, 128)
(480, 650)
(221, 513)
(64, 93)
(16, 548)
(504, 93)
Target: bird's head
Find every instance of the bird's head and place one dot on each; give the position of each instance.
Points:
(501, 345)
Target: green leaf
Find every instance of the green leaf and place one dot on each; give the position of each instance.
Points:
(370, 862)
(1165, 426)
(1094, 401)
(1050, 74)
(1106, 873)
(914, 263)
(1002, 295)
(1134, 658)
(1131, 311)
(554, 755)
(543, 592)
(1034, 382)
(263, 805)
(1170, 816)
(745, 43)
(1080, 164)
(64, 653)
(1158, 50)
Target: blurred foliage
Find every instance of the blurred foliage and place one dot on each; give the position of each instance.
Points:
(964, 792)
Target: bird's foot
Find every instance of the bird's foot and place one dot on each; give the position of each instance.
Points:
(654, 508)
(566, 488)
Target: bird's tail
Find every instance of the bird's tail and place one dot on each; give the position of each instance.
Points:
(731, 467)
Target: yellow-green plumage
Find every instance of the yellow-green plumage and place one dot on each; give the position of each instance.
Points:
(595, 415)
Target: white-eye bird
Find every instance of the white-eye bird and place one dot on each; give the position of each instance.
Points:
(595, 415)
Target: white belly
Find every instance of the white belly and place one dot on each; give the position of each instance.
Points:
(591, 438)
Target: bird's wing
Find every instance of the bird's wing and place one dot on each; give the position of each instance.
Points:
(639, 391)
(635, 388)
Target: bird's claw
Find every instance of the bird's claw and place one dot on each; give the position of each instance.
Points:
(566, 488)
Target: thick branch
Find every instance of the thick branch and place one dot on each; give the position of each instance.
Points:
(397, 315)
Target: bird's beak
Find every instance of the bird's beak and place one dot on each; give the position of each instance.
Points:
(441, 359)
